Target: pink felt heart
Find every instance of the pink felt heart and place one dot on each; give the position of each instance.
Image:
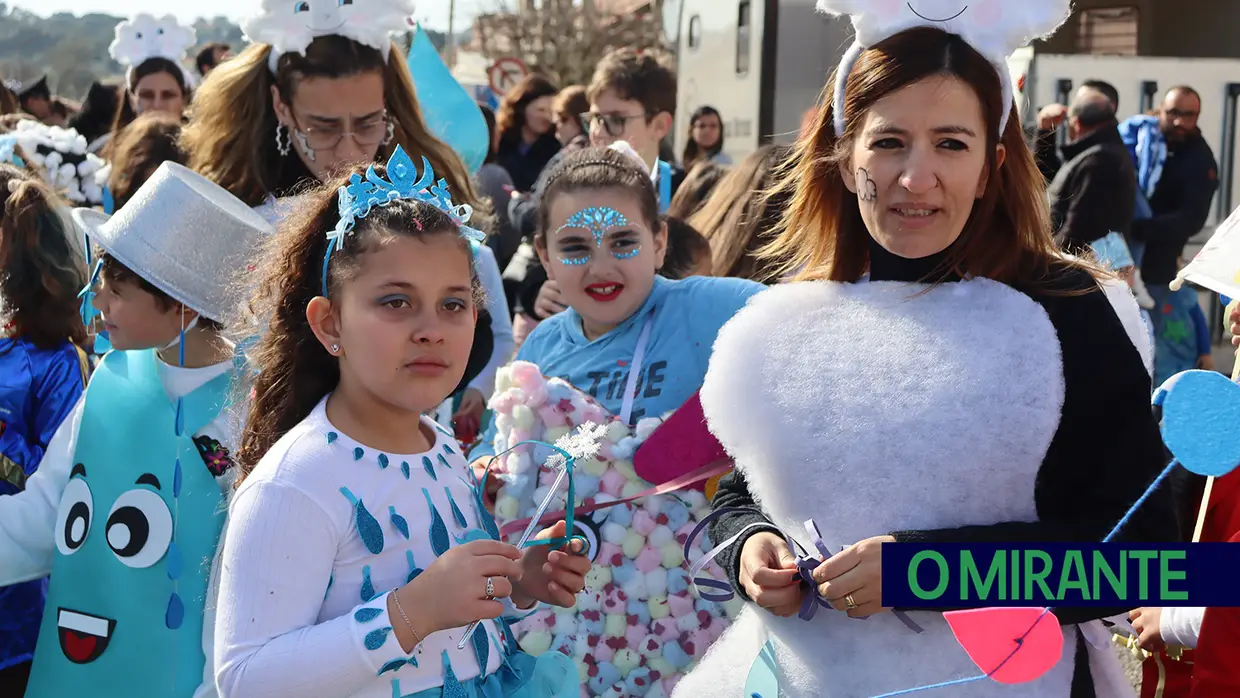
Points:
(992, 637)
(679, 446)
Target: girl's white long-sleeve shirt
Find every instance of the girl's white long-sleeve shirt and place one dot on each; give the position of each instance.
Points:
(303, 597)
(501, 322)
(1181, 625)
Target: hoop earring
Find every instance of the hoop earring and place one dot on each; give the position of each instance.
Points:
(305, 145)
(391, 133)
(283, 142)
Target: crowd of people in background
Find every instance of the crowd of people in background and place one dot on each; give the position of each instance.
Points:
(598, 258)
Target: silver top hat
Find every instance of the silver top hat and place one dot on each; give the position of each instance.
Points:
(183, 233)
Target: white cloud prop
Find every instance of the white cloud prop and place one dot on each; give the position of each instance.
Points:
(143, 36)
(60, 156)
(289, 26)
(996, 28)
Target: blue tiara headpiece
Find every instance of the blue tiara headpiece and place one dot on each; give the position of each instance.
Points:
(361, 194)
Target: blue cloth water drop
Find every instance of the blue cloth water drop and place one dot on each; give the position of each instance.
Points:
(332, 436)
(176, 477)
(365, 615)
(448, 448)
(367, 527)
(429, 467)
(443, 461)
(399, 523)
(404, 469)
(331, 579)
(393, 665)
(482, 647)
(451, 113)
(376, 638)
(180, 413)
(488, 521)
(457, 514)
(383, 461)
(175, 561)
(440, 543)
(368, 587)
(414, 570)
(358, 453)
(175, 615)
(451, 687)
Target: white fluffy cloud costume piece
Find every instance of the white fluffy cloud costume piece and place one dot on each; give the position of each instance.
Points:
(144, 36)
(289, 26)
(996, 28)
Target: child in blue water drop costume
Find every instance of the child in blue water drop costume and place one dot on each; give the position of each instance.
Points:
(128, 500)
(42, 372)
(358, 550)
(603, 245)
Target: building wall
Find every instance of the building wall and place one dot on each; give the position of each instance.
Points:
(1187, 29)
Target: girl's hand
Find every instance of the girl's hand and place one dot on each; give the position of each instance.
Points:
(467, 421)
(452, 592)
(492, 485)
(551, 576)
(852, 581)
(549, 301)
(769, 574)
(1148, 624)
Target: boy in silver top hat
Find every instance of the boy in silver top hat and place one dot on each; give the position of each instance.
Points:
(128, 503)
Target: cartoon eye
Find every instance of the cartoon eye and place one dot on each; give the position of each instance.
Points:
(139, 36)
(77, 508)
(586, 527)
(159, 32)
(139, 528)
(301, 7)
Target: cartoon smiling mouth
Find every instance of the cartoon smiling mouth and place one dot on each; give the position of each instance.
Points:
(83, 637)
(928, 19)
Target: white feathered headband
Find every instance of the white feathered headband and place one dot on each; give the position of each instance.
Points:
(289, 26)
(996, 28)
(144, 36)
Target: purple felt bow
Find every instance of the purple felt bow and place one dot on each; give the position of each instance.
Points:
(805, 567)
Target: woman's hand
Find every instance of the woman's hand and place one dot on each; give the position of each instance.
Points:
(549, 301)
(1148, 624)
(768, 573)
(468, 418)
(852, 581)
(452, 591)
(552, 576)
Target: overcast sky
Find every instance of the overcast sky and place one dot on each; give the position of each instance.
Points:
(432, 13)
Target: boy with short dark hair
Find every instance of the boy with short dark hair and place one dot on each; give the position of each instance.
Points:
(633, 98)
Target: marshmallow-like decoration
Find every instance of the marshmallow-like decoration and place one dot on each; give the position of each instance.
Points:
(289, 26)
(996, 28)
(145, 36)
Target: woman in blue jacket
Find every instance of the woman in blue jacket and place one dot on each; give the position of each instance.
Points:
(42, 372)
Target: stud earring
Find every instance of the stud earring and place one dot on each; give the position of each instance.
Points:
(283, 142)
(335, 348)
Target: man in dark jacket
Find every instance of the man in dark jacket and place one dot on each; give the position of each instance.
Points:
(1181, 200)
(1093, 193)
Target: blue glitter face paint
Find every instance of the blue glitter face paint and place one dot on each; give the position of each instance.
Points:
(598, 220)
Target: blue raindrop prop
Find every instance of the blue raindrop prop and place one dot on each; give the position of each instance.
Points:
(367, 527)
(383, 461)
(175, 561)
(393, 665)
(368, 587)
(180, 415)
(443, 461)
(456, 511)
(429, 467)
(358, 453)
(399, 523)
(450, 112)
(404, 469)
(482, 648)
(414, 570)
(332, 436)
(448, 448)
(376, 638)
(365, 615)
(109, 203)
(439, 532)
(176, 477)
(451, 687)
(175, 615)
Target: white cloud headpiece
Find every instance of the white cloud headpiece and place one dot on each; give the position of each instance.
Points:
(996, 28)
(143, 36)
(289, 26)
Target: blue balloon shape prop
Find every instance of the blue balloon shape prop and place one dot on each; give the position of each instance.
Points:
(450, 112)
(1200, 412)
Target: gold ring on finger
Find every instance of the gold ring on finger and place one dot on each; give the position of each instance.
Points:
(850, 602)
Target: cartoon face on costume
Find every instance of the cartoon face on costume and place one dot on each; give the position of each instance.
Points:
(290, 25)
(996, 28)
(144, 37)
(97, 525)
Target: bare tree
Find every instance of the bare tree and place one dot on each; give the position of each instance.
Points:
(564, 39)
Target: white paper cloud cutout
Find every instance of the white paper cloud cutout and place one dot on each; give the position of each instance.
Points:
(143, 36)
(996, 28)
(289, 26)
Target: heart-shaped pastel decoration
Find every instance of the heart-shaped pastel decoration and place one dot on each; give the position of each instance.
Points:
(763, 680)
(1200, 412)
(1011, 645)
(646, 605)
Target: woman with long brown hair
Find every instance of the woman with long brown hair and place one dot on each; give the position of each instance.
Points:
(739, 217)
(295, 107)
(147, 143)
(705, 142)
(155, 81)
(940, 374)
(42, 371)
(527, 129)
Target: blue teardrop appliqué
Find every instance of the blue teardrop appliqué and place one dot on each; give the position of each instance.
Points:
(175, 561)
(448, 448)
(376, 638)
(451, 687)
(367, 526)
(330, 581)
(443, 461)
(430, 468)
(175, 615)
(358, 453)
(365, 615)
(332, 436)
(482, 647)
(457, 514)
(368, 587)
(414, 570)
(383, 461)
(393, 665)
(439, 532)
(488, 521)
(399, 523)
(404, 469)
(176, 477)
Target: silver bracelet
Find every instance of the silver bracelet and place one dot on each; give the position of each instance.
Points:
(409, 625)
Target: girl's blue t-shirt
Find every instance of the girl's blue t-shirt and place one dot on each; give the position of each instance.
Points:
(687, 316)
